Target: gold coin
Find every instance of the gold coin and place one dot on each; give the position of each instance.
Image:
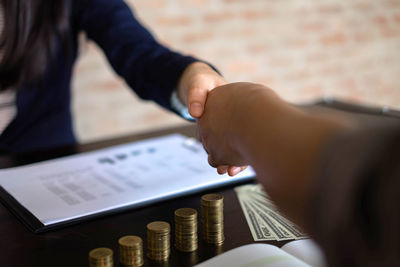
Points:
(212, 200)
(186, 229)
(212, 197)
(158, 240)
(130, 241)
(131, 251)
(212, 218)
(186, 213)
(101, 257)
(158, 227)
(100, 253)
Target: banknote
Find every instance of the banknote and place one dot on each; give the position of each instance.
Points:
(263, 217)
(259, 231)
(277, 230)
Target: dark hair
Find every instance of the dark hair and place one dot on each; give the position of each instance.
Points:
(28, 40)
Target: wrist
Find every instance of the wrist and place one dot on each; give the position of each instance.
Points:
(180, 108)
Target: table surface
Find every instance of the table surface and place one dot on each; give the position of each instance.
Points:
(70, 246)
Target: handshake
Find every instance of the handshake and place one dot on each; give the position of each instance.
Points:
(242, 124)
(216, 106)
(328, 172)
(223, 112)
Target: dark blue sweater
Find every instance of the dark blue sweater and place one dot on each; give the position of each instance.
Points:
(44, 117)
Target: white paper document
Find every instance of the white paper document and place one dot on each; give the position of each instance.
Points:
(127, 175)
(299, 253)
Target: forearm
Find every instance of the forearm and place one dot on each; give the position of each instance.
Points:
(332, 176)
(150, 68)
(355, 193)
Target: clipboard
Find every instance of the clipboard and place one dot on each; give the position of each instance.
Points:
(59, 192)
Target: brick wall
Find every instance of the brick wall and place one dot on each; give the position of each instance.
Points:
(303, 49)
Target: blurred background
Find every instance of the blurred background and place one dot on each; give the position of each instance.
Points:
(303, 49)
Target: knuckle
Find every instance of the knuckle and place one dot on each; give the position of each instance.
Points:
(212, 162)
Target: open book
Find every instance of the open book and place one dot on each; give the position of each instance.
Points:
(293, 254)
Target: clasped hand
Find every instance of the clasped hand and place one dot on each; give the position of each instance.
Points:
(196, 84)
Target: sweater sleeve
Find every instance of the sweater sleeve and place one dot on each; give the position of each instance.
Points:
(149, 68)
(355, 215)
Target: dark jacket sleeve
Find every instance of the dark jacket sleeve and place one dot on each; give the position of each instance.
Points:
(356, 203)
(151, 69)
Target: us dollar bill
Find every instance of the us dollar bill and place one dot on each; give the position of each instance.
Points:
(263, 217)
(259, 231)
(293, 229)
(278, 231)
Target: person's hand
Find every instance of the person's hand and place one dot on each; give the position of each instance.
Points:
(196, 82)
(218, 124)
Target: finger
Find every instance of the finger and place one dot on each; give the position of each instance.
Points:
(233, 170)
(243, 168)
(212, 162)
(222, 169)
(196, 100)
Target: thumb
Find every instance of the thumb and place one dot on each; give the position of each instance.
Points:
(196, 100)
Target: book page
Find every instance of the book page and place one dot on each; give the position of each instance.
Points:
(254, 255)
(126, 175)
(306, 250)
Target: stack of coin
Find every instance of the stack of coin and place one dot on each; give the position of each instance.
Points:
(101, 257)
(158, 240)
(212, 218)
(186, 229)
(130, 251)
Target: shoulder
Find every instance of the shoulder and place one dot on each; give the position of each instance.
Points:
(90, 5)
(100, 10)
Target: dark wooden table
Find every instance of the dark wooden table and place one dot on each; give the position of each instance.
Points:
(70, 246)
